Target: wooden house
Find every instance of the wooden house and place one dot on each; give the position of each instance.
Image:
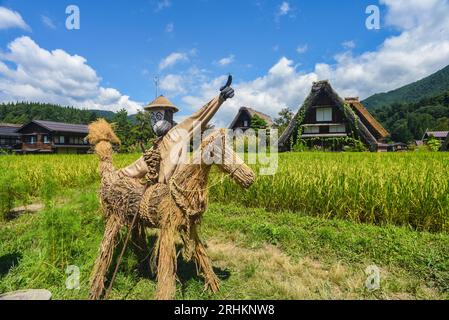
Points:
(439, 135)
(442, 136)
(327, 121)
(244, 117)
(53, 137)
(9, 137)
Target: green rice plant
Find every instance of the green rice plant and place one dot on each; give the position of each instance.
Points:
(402, 189)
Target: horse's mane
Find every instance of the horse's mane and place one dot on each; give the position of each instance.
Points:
(189, 182)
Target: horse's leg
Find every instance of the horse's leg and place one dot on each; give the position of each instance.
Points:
(139, 240)
(166, 264)
(203, 262)
(104, 258)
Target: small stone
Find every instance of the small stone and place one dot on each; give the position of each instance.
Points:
(35, 294)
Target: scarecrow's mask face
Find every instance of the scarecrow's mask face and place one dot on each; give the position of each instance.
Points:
(157, 116)
(161, 128)
(160, 123)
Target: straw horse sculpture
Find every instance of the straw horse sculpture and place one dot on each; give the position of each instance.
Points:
(174, 209)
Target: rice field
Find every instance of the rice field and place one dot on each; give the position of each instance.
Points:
(410, 189)
(309, 232)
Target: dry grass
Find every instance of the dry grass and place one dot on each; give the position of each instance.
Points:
(269, 272)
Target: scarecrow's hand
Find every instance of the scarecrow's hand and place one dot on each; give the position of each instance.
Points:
(226, 91)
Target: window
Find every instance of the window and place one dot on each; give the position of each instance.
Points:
(61, 140)
(32, 140)
(338, 129)
(311, 130)
(76, 140)
(324, 114)
(46, 139)
(245, 123)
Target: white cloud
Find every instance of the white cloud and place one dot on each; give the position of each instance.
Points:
(284, 8)
(169, 28)
(406, 14)
(174, 84)
(12, 19)
(55, 77)
(348, 44)
(48, 22)
(302, 49)
(172, 59)
(163, 4)
(179, 84)
(420, 49)
(227, 60)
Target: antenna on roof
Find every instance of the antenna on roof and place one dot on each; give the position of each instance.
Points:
(156, 84)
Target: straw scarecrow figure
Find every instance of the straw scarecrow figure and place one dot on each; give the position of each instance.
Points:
(172, 198)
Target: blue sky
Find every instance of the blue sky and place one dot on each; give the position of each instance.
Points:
(274, 49)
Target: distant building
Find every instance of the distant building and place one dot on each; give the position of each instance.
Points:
(9, 138)
(243, 119)
(439, 135)
(398, 147)
(326, 120)
(442, 136)
(53, 137)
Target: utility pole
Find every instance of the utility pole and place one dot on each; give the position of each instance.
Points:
(156, 84)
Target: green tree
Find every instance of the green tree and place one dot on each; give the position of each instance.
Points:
(400, 132)
(258, 123)
(285, 117)
(434, 144)
(141, 131)
(123, 129)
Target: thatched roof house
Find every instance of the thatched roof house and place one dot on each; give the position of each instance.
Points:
(326, 117)
(243, 119)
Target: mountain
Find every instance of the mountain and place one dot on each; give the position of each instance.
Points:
(104, 114)
(428, 87)
(409, 121)
(109, 115)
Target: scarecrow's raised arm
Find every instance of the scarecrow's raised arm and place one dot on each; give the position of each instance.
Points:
(171, 146)
(182, 131)
(205, 114)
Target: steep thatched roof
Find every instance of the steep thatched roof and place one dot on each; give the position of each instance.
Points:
(252, 112)
(364, 114)
(355, 119)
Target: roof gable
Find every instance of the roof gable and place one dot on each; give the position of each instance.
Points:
(252, 112)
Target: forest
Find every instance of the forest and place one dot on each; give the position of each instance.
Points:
(409, 121)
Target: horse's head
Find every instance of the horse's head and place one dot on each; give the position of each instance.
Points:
(216, 149)
(189, 184)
